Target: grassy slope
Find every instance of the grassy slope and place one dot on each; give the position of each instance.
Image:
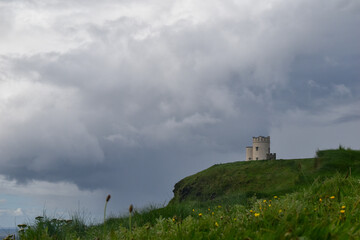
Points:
(264, 178)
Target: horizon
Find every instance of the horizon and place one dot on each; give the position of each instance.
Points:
(128, 97)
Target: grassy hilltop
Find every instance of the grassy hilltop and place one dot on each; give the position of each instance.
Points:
(223, 182)
(317, 198)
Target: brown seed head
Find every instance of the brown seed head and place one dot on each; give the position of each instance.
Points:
(108, 198)
(131, 208)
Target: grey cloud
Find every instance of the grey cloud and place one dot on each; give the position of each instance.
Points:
(140, 106)
(348, 118)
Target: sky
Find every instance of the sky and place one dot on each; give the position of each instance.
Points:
(128, 97)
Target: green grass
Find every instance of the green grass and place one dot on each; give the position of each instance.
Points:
(310, 194)
(263, 178)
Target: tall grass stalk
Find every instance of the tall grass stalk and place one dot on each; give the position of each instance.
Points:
(106, 202)
(131, 208)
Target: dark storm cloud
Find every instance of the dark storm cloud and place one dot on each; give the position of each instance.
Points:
(139, 105)
(348, 118)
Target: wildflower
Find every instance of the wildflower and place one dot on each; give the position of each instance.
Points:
(343, 207)
(275, 197)
(269, 205)
(208, 209)
(342, 211)
(173, 219)
(264, 201)
(219, 206)
(235, 219)
(200, 214)
(280, 211)
(251, 211)
(216, 224)
(212, 213)
(320, 200)
(193, 210)
(332, 197)
(257, 214)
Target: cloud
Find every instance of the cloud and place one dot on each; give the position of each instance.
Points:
(23, 202)
(129, 96)
(16, 212)
(39, 126)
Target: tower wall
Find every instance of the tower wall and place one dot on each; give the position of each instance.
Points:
(249, 153)
(261, 147)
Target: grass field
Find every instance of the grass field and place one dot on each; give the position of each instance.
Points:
(315, 198)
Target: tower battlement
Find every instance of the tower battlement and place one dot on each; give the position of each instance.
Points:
(261, 139)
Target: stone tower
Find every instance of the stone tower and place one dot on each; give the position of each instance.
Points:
(260, 150)
(249, 153)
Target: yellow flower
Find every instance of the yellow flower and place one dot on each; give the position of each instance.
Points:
(280, 211)
(193, 210)
(212, 213)
(251, 211)
(208, 209)
(275, 197)
(264, 201)
(332, 197)
(257, 214)
(343, 207)
(219, 206)
(269, 205)
(320, 200)
(173, 219)
(342, 211)
(235, 219)
(216, 224)
(200, 214)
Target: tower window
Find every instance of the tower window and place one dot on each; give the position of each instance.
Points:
(257, 148)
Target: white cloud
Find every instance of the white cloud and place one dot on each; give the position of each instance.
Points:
(11, 213)
(342, 90)
(18, 212)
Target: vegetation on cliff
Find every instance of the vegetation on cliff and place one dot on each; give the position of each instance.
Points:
(264, 178)
(315, 198)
